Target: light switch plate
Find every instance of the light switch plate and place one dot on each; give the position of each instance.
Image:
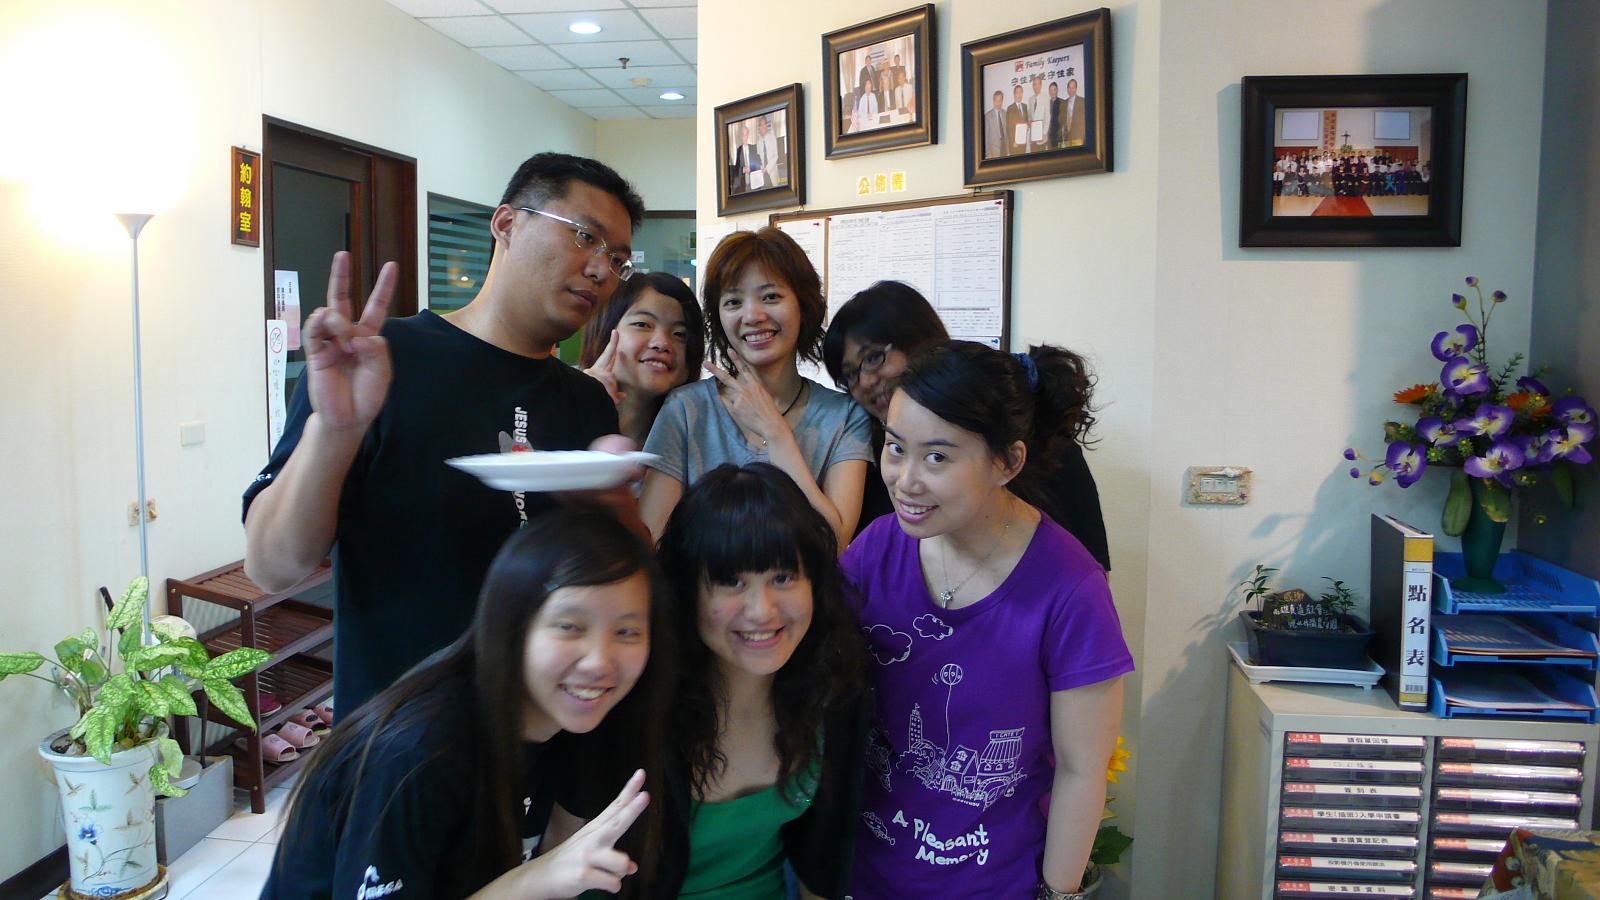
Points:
(1219, 485)
(191, 434)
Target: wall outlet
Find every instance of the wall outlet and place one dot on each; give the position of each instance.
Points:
(149, 511)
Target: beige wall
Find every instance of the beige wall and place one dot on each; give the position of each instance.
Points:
(1566, 281)
(1208, 354)
(206, 72)
(657, 155)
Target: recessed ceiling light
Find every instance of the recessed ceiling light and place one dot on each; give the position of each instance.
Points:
(672, 95)
(583, 27)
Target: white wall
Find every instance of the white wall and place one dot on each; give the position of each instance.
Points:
(206, 73)
(1566, 318)
(657, 155)
(1208, 354)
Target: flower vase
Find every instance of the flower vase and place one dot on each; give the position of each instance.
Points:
(1480, 547)
(109, 813)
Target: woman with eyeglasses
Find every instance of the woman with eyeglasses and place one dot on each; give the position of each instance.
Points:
(866, 350)
(648, 340)
(764, 311)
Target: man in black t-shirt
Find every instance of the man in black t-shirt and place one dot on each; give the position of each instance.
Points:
(360, 468)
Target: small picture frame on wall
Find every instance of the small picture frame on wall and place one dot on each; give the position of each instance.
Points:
(761, 152)
(1352, 160)
(1036, 102)
(880, 84)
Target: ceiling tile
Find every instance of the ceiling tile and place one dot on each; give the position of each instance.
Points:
(615, 25)
(689, 49)
(590, 98)
(420, 8)
(604, 56)
(651, 96)
(477, 31)
(525, 57)
(665, 76)
(538, 6)
(648, 3)
(677, 22)
(559, 79)
(675, 111)
(615, 112)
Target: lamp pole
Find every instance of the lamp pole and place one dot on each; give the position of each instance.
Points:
(134, 223)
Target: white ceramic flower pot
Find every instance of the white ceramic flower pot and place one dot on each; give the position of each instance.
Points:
(109, 815)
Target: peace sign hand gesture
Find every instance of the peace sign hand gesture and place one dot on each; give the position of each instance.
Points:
(747, 400)
(347, 362)
(604, 369)
(589, 859)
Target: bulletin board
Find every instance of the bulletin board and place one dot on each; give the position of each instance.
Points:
(955, 250)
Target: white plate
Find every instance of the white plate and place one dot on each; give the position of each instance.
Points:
(1364, 678)
(551, 470)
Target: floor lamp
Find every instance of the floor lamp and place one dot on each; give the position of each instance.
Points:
(134, 223)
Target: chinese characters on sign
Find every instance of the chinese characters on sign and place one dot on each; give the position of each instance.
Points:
(246, 182)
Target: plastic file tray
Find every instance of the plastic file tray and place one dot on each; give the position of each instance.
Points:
(1512, 750)
(1532, 585)
(1309, 888)
(1566, 687)
(1316, 744)
(1351, 821)
(1554, 627)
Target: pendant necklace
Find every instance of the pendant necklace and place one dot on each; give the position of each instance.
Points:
(949, 593)
(796, 399)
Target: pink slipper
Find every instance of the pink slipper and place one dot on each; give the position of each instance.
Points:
(275, 749)
(324, 711)
(269, 703)
(298, 736)
(308, 719)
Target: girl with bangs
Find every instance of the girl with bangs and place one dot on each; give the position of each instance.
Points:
(647, 341)
(768, 723)
(764, 312)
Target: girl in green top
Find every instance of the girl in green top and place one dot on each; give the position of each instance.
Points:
(767, 729)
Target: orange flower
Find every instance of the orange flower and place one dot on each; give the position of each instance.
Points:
(1414, 394)
(1518, 401)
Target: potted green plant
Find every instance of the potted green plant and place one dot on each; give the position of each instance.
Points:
(1291, 629)
(1498, 433)
(110, 764)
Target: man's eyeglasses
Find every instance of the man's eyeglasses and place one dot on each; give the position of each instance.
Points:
(871, 362)
(621, 266)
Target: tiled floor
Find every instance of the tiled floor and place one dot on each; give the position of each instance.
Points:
(231, 863)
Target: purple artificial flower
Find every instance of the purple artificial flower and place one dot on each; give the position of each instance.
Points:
(1407, 461)
(1573, 411)
(1490, 420)
(1448, 345)
(1569, 446)
(1472, 281)
(1458, 301)
(1351, 454)
(1355, 472)
(1532, 385)
(1501, 458)
(1437, 431)
(1498, 296)
(1463, 378)
(1376, 476)
(1536, 447)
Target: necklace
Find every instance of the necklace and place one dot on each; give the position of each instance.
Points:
(949, 593)
(797, 393)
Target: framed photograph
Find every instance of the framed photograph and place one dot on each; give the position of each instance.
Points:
(1036, 102)
(761, 151)
(880, 84)
(1352, 160)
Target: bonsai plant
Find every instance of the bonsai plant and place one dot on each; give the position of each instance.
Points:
(1290, 628)
(113, 761)
(1498, 433)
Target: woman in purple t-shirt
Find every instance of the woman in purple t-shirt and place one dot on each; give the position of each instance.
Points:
(994, 636)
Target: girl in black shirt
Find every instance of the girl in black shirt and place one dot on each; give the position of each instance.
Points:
(440, 785)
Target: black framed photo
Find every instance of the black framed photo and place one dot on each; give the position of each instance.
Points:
(1352, 160)
(880, 84)
(761, 152)
(1036, 102)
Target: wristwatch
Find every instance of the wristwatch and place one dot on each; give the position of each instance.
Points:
(1046, 892)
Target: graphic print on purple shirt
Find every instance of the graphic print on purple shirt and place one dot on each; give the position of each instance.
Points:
(959, 758)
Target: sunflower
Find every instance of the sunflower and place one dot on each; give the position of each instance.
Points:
(1118, 763)
(1414, 394)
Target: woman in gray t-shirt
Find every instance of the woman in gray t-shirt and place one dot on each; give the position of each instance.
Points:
(764, 311)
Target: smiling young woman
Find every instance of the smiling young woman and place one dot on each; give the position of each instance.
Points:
(648, 340)
(764, 310)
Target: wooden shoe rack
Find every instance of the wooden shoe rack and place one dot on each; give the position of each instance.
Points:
(279, 623)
